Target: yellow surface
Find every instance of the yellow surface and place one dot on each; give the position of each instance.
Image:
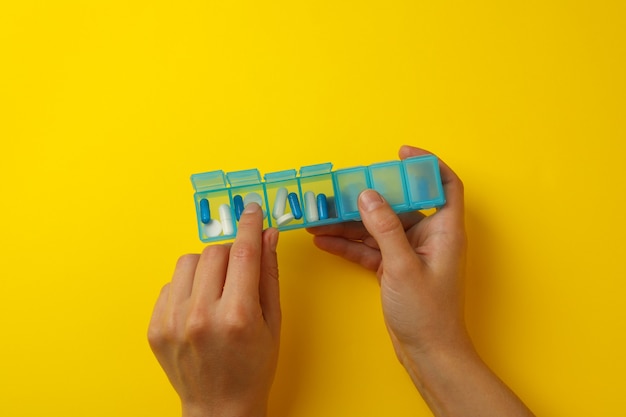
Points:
(107, 107)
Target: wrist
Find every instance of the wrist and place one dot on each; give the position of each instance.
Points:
(226, 410)
(445, 375)
(428, 365)
(454, 381)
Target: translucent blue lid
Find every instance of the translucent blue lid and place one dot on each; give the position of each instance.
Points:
(208, 181)
(246, 177)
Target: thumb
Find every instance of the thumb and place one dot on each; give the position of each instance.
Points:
(385, 227)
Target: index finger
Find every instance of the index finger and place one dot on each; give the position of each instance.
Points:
(244, 263)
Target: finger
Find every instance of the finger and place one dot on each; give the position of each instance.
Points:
(371, 242)
(407, 151)
(269, 286)
(154, 328)
(454, 191)
(384, 226)
(182, 281)
(208, 281)
(350, 250)
(244, 263)
(356, 230)
(452, 184)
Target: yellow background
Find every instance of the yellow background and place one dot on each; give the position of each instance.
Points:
(107, 107)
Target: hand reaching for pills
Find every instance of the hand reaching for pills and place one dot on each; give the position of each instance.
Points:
(216, 327)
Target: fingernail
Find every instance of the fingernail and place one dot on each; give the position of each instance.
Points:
(370, 200)
(252, 208)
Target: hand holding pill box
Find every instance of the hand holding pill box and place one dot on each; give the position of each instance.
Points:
(313, 197)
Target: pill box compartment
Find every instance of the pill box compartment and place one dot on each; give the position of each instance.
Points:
(243, 185)
(211, 186)
(349, 183)
(285, 214)
(423, 182)
(244, 193)
(389, 180)
(216, 228)
(321, 208)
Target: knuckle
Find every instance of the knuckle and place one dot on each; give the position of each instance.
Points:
(155, 337)
(214, 251)
(236, 323)
(169, 329)
(244, 250)
(387, 224)
(197, 325)
(161, 334)
(190, 259)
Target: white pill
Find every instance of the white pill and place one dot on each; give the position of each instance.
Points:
(280, 203)
(227, 219)
(310, 207)
(284, 219)
(254, 198)
(212, 228)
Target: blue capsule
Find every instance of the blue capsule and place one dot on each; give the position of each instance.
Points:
(238, 205)
(322, 206)
(205, 212)
(294, 204)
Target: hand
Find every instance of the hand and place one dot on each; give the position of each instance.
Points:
(420, 262)
(215, 328)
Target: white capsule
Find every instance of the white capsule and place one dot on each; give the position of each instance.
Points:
(280, 203)
(212, 228)
(284, 219)
(310, 207)
(254, 198)
(227, 219)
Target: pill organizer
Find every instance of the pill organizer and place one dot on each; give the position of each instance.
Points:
(314, 196)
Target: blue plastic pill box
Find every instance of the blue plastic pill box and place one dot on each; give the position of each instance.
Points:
(323, 195)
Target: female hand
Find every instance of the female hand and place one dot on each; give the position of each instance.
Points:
(419, 261)
(215, 328)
